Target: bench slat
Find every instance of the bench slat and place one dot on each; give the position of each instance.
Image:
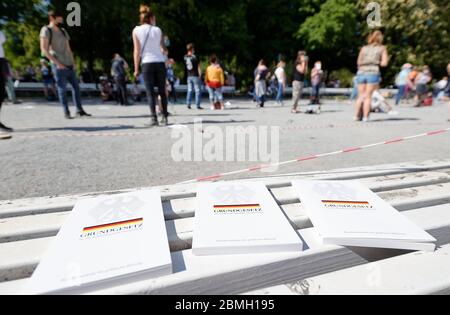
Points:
(32, 206)
(238, 274)
(413, 274)
(47, 225)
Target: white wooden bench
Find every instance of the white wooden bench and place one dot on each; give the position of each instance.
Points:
(420, 190)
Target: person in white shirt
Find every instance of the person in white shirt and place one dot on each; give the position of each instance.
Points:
(148, 42)
(3, 71)
(280, 74)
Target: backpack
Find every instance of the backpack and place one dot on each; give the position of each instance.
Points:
(43, 56)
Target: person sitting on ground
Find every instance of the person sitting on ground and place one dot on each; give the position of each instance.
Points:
(106, 89)
(215, 79)
(422, 81)
(401, 82)
(380, 104)
(439, 88)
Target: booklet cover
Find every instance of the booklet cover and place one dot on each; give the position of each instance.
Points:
(108, 240)
(347, 213)
(241, 218)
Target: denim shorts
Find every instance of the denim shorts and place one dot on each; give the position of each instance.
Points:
(368, 78)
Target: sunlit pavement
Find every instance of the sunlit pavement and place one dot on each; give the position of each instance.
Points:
(49, 155)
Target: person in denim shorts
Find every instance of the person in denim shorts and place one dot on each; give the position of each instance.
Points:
(371, 58)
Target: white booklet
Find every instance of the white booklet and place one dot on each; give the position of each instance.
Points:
(106, 241)
(347, 213)
(241, 218)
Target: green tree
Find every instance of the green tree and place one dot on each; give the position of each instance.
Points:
(416, 32)
(330, 34)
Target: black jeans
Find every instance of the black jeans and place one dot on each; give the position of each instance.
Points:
(2, 80)
(121, 88)
(155, 77)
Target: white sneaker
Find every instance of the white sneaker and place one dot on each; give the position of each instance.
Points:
(393, 113)
(4, 136)
(366, 120)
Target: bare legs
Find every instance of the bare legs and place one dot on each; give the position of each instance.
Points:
(364, 101)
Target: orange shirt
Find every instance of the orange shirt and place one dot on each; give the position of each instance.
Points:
(214, 76)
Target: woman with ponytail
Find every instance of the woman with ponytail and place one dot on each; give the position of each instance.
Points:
(148, 42)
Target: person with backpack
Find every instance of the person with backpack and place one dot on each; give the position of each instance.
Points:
(148, 42)
(3, 66)
(193, 71)
(119, 69)
(55, 46)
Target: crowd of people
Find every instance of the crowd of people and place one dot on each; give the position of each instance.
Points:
(155, 69)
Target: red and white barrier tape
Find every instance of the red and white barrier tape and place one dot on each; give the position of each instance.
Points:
(314, 157)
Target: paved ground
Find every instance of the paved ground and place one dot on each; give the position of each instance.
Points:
(114, 150)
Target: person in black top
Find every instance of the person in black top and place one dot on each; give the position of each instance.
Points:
(193, 71)
(300, 70)
(3, 66)
(119, 72)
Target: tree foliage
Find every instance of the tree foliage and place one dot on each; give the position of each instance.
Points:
(241, 32)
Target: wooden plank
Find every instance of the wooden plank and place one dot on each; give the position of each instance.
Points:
(413, 274)
(238, 274)
(53, 204)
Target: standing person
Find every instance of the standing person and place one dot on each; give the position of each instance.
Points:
(447, 91)
(193, 71)
(316, 82)
(3, 84)
(10, 89)
(55, 45)
(148, 42)
(214, 80)
(280, 74)
(422, 81)
(300, 70)
(47, 80)
(402, 82)
(354, 94)
(119, 70)
(261, 75)
(371, 57)
(171, 78)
